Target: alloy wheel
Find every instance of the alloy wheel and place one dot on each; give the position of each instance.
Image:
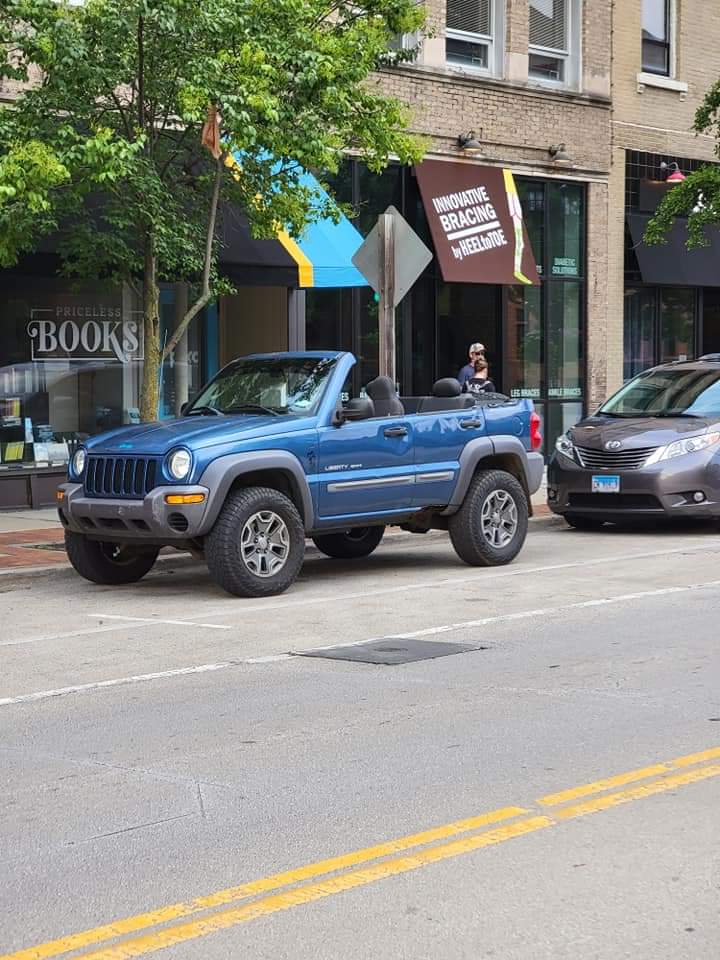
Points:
(499, 519)
(265, 543)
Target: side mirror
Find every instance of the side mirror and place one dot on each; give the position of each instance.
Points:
(184, 408)
(359, 408)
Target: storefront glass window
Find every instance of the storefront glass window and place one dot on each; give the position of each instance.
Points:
(181, 377)
(467, 313)
(677, 323)
(566, 229)
(560, 417)
(524, 342)
(564, 367)
(532, 198)
(639, 332)
(69, 368)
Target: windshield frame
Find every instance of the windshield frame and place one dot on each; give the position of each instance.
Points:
(673, 399)
(206, 398)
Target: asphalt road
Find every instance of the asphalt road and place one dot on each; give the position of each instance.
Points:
(176, 778)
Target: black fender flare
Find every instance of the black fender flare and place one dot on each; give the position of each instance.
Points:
(220, 475)
(485, 448)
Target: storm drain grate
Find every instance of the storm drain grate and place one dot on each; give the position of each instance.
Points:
(391, 651)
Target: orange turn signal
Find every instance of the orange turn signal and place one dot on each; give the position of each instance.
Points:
(60, 494)
(178, 498)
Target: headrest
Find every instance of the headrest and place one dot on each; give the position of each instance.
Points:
(381, 388)
(447, 387)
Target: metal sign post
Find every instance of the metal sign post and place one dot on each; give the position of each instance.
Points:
(386, 306)
(391, 259)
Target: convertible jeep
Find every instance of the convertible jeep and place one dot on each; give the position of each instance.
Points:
(272, 452)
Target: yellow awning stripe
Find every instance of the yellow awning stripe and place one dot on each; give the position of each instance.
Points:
(305, 267)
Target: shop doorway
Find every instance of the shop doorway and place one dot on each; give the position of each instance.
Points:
(467, 313)
(711, 320)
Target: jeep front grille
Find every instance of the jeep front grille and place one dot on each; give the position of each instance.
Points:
(128, 478)
(613, 459)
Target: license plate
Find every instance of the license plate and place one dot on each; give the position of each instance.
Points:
(606, 484)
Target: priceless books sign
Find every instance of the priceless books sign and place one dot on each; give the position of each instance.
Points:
(476, 223)
(84, 332)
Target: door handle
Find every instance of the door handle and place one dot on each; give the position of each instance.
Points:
(471, 424)
(395, 432)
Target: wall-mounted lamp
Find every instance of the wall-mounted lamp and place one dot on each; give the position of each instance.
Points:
(677, 176)
(558, 154)
(468, 144)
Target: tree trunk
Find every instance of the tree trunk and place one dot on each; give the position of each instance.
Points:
(150, 395)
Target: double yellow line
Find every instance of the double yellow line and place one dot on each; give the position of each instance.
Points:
(376, 863)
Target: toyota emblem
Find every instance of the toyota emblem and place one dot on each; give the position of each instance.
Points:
(613, 445)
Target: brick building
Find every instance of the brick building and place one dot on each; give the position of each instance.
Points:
(525, 77)
(663, 303)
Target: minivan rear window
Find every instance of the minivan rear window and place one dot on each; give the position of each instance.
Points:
(668, 393)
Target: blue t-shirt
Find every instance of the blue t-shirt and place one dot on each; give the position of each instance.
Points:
(466, 373)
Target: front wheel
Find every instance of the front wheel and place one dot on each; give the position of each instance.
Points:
(351, 544)
(108, 563)
(490, 527)
(257, 545)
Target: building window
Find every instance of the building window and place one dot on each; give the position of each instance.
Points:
(553, 39)
(470, 33)
(656, 30)
(660, 326)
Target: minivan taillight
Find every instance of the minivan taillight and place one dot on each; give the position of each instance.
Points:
(535, 432)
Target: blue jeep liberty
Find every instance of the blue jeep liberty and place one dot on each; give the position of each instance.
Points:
(272, 452)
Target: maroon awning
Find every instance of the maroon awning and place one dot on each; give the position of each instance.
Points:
(476, 223)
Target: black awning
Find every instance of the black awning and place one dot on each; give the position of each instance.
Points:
(672, 262)
(250, 262)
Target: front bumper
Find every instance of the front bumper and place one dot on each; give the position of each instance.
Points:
(661, 490)
(150, 520)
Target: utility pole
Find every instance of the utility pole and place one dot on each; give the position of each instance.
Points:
(386, 305)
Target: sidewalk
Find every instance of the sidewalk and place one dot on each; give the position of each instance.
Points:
(32, 540)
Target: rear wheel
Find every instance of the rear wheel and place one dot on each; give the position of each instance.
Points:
(490, 527)
(108, 563)
(579, 522)
(257, 545)
(351, 544)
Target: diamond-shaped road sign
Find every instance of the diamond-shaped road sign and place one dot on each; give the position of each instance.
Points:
(411, 256)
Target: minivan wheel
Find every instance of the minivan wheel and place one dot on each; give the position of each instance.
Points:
(490, 527)
(257, 545)
(350, 544)
(108, 563)
(579, 522)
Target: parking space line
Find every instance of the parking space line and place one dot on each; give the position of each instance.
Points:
(177, 623)
(426, 632)
(243, 608)
(337, 877)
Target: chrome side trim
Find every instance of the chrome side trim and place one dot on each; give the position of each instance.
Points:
(430, 477)
(370, 482)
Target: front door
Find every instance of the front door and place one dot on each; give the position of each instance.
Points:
(366, 468)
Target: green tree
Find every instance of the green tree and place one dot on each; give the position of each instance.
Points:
(698, 196)
(103, 143)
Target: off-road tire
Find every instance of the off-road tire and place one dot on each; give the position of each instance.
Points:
(350, 544)
(579, 522)
(466, 527)
(223, 547)
(108, 563)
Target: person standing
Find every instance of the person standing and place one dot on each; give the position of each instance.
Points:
(476, 351)
(480, 381)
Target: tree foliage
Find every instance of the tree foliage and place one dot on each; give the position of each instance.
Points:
(103, 141)
(698, 196)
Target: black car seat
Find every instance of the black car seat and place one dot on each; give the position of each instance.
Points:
(383, 394)
(447, 395)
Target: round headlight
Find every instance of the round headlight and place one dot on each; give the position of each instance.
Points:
(78, 461)
(179, 464)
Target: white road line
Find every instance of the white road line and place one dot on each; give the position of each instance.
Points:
(547, 611)
(241, 608)
(179, 623)
(427, 632)
(118, 682)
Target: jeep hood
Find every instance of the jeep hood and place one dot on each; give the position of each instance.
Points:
(195, 433)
